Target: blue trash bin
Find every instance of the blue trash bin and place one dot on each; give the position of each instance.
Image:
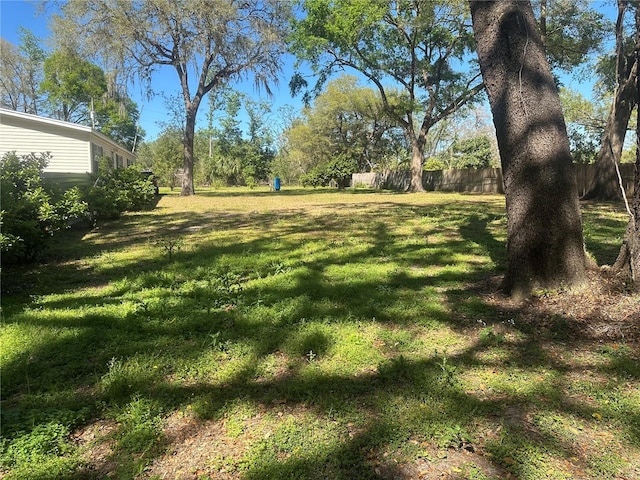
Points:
(276, 184)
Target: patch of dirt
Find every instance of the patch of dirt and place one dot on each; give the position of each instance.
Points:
(196, 449)
(208, 449)
(97, 449)
(603, 309)
(449, 464)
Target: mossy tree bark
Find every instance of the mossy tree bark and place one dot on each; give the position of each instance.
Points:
(544, 227)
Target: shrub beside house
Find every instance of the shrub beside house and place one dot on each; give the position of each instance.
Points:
(74, 150)
(55, 175)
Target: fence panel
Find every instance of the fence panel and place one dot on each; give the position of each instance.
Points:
(481, 180)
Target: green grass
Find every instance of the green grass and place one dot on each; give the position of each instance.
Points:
(305, 334)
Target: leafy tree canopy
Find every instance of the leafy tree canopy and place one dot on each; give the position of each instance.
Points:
(21, 73)
(208, 44)
(474, 152)
(164, 155)
(117, 118)
(346, 120)
(71, 84)
(415, 53)
(571, 30)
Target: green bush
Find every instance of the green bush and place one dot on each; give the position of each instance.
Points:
(433, 163)
(30, 212)
(117, 190)
(33, 211)
(103, 202)
(338, 170)
(475, 152)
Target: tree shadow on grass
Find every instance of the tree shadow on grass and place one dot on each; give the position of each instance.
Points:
(291, 298)
(603, 234)
(475, 230)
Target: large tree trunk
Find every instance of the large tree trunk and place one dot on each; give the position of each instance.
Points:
(189, 157)
(628, 261)
(544, 227)
(417, 161)
(605, 185)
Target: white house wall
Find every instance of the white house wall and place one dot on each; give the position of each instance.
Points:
(69, 144)
(69, 148)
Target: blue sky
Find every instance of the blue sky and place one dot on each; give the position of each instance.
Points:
(22, 13)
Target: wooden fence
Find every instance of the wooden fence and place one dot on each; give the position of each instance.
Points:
(483, 180)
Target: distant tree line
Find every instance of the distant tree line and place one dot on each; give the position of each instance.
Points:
(415, 60)
(229, 152)
(64, 85)
(425, 64)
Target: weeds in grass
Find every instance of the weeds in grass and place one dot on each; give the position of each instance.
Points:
(170, 245)
(138, 437)
(340, 342)
(278, 267)
(115, 382)
(617, 350)
(217, 344)
(489, 336)
(140, 426)
(454, 436)
(448, 371)
(311, 356)
(44, 440)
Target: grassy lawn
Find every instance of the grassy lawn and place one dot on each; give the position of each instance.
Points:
(308, 334)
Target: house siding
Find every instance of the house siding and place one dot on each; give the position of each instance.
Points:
(70, 145)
